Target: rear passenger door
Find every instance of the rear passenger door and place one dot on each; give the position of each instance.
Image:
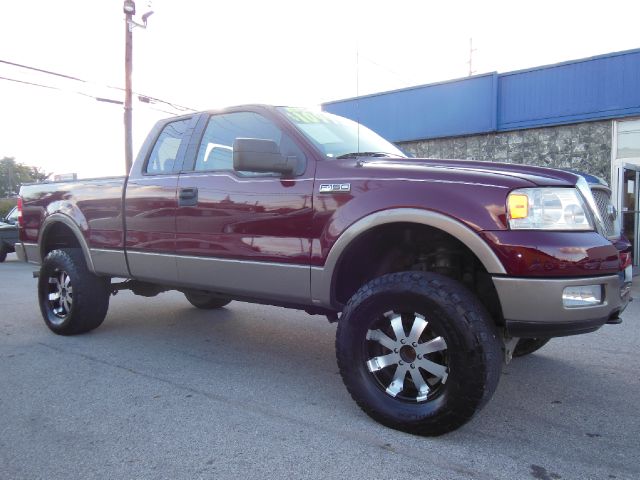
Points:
(245, 233)
(151, 202)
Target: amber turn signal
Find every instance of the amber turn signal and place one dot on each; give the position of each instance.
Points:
(518, 206)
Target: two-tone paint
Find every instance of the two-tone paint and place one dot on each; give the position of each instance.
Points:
(281, 239)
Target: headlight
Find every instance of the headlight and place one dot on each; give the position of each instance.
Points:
(548, 209)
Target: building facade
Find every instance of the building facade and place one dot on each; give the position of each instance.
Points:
(581, 114)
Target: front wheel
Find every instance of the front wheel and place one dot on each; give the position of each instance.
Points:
(72, 299)
(418, 352)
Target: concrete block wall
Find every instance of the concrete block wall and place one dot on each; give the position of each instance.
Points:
(582, 146)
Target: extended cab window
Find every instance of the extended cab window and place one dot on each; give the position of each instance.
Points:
(164, 153)
(216, 148)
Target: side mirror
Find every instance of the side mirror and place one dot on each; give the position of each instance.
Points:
(262, 156)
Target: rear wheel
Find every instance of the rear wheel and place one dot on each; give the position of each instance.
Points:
(72, 299)
(206, 301)
(525, 346)
(418, 352)
(3, 252)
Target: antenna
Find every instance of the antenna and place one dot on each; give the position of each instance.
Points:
(470, 62)
(358, 91)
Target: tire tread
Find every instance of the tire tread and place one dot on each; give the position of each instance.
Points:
(486, 353)
(90, 294)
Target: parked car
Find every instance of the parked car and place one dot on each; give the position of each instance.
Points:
(8, 233)
(436, 270)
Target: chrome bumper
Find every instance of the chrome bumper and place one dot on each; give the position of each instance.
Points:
(533, 307)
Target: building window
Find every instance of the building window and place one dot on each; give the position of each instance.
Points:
(627, 187)
(629, 139)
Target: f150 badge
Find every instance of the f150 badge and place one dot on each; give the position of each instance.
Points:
(335, 187)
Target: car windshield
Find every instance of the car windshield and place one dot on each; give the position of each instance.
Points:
(13, 215)
(338, 137)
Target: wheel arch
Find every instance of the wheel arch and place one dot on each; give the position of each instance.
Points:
(324, 279)
(59, 230)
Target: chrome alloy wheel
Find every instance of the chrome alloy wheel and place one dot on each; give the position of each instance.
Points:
(60, 295)
(412, 366)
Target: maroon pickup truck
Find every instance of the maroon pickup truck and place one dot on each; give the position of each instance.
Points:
(437, 271)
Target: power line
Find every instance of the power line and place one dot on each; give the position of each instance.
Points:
(70, 77)
(99, 99)
(52, 88)
(48, 72)
(28, 83)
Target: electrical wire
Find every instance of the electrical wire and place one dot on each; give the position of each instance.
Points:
(48, 72)
(70, 77)
(99, 99)
(53, 88)
(28, 83)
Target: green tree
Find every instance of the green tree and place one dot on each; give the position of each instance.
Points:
(14, 174)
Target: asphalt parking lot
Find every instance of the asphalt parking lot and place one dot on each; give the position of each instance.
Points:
(162, 390)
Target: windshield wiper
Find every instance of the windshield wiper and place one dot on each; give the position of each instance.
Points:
(368, 154)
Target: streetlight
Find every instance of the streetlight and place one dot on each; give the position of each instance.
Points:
(129, 9)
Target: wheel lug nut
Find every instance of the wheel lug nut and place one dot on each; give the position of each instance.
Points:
(400, 362)
(403, 341)
(419, 357)
(414, 344)
(395, 350)
(413, 366)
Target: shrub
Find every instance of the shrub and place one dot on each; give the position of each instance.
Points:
(6, 204)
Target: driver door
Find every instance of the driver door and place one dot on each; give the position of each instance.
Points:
(242, 233)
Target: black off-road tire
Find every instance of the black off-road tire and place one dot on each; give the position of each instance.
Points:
(89, 293)
(526, 346)
(3, 253)
(206, 301)
(473, 351)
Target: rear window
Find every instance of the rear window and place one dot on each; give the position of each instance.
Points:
(165, 151)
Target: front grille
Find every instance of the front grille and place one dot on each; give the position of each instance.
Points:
(602, 197)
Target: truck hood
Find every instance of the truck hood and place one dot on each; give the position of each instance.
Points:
(536, 176)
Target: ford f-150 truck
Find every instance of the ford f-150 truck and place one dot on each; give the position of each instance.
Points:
(437, 271)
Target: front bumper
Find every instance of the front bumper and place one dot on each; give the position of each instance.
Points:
(533, 307)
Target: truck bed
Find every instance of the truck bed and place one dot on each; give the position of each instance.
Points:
(94, 204)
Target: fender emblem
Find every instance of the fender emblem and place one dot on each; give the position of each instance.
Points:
(335, 187)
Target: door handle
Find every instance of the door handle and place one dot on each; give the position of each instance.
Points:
(188, 197)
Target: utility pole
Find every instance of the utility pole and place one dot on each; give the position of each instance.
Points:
(470, 62)
(129, 8)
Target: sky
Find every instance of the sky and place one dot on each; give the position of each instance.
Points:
(213, 54)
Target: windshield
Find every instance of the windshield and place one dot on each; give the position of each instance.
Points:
(337, 136)
(13, 215)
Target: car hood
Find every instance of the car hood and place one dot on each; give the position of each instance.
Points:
(535, 176)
